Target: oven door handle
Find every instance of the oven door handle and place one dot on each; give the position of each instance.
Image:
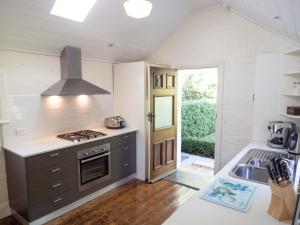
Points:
(96, 157)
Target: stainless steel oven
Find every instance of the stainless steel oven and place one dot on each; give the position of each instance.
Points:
(93, 166)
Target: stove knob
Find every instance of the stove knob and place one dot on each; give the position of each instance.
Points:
(95, 151)
(86, 154)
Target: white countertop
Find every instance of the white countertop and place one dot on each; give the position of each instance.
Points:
(197, 211)
(36, 147)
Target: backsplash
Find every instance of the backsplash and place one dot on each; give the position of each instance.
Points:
(36, 117)
(33, 117)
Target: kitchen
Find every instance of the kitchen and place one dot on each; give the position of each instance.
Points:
(114, 58)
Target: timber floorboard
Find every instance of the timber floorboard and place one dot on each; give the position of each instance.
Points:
(134, 203)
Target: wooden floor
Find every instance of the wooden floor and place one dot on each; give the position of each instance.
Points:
(134, 203)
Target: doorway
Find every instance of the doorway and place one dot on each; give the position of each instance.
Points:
(199, 133)
(198, 94)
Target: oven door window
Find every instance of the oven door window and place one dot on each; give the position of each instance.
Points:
(94, 168)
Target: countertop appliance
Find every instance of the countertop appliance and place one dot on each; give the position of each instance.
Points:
(93, 166)
(71, 82)
(280, 133)
(294, 143)
(115, 122)
(82, 135)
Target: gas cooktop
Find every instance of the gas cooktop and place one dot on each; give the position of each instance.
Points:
(82, 135)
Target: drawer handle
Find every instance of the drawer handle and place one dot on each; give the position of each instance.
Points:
(124, 165)
(57, 200)
(56, 185)
(55, 154)
(55, 170)
(125, 137)
(125, 148)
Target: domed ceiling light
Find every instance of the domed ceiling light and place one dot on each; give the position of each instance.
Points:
(138, 8)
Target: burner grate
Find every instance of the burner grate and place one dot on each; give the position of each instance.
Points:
(82, 135)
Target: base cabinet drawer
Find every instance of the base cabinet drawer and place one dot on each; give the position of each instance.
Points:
(52, 174)
(51, 204)
(123, 162)
(38, 162)
(39, 193)
(124, 139)
(127, 168)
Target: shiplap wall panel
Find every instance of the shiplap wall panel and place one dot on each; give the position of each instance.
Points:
(216, 36)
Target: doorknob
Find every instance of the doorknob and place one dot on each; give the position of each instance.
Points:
(151, 116)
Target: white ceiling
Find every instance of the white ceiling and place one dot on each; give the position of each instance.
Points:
(199, 5)
(27, 25)
(263, 11)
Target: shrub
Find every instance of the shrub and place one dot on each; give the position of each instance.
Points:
(194, 88)
(198, 118)
(199, 146)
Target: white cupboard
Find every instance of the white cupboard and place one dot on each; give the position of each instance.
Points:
(273, 88)
(130, 102)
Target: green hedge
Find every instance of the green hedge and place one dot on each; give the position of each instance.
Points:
(198, 118)
(199, 146)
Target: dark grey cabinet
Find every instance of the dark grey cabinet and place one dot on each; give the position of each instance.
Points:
(123, 161)
(43, 183)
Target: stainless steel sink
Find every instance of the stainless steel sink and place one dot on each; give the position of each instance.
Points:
(252, 166)
(251, 173)
(257, 163)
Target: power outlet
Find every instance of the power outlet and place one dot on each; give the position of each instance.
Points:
(21, 131)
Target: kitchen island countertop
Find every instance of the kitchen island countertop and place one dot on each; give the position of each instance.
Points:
(197, 211)
(35, 147)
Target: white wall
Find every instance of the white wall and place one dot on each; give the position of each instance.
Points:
(27, 75)
(130, 102)
(218, 36)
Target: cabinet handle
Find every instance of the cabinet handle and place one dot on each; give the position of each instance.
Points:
(125, 148)
(55, 154)
(56, 185)
(124, 165)
(57, 200)
(55, 170)
(125, 137)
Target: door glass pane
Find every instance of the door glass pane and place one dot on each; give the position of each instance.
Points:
(163, 111)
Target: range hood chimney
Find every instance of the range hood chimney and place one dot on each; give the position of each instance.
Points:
(71, 82)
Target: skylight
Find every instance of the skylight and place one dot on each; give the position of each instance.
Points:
(73, 9)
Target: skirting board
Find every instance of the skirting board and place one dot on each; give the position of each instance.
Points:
(73, 205)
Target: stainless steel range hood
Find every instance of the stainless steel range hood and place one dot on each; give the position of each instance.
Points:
(71, 82)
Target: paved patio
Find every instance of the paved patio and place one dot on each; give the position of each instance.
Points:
(194, 162)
